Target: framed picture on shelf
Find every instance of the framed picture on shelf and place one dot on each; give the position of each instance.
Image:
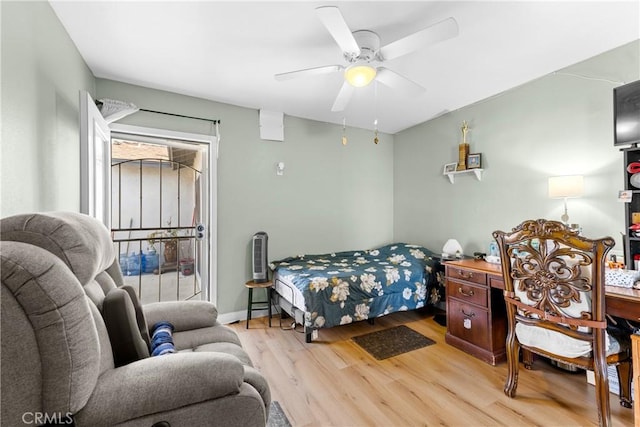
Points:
(474, 161)
(625, 196)
(449, 167)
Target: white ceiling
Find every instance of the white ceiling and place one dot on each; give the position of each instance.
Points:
(229, 51)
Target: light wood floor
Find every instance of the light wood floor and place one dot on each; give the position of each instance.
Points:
(333, 382)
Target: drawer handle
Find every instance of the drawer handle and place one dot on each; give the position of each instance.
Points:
(467, 314)
(466, 294)
(462, 274)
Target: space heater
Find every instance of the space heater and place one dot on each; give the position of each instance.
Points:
(260, 273)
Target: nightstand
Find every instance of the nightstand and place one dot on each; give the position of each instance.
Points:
(476, 314)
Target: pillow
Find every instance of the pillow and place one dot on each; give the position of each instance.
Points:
(140, 319)
(162, 339)
(120, 319)
(558, 343)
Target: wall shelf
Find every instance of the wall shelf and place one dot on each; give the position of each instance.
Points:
(477, 172)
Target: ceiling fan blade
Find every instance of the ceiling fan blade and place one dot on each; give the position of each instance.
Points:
(443, 30)
(339, 30)
(396, 81)
(307, 72)
(346, 91)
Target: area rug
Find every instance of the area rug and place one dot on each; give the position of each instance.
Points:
(277, 417)
(392, 342)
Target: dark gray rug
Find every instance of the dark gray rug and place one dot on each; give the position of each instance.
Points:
(277, 417)
(392, 341)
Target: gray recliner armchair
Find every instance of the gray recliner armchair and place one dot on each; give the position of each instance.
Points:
(75, 341)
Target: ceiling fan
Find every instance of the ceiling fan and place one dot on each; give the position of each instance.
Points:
(361, 49)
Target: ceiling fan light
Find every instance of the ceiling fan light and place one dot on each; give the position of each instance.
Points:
(359, 75)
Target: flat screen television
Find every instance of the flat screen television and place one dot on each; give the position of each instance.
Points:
(626, 114)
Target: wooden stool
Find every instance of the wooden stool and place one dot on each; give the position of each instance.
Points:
(251, 285)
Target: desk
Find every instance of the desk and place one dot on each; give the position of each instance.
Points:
(474, 292)
(619, 301)
(623, 302)
(476, 320)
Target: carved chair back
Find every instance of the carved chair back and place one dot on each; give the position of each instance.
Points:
(554, 278)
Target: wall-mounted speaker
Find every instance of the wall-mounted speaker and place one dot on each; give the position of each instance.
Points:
(259, 256)
(272, 125)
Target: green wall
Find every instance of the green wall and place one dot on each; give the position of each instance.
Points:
(42, 73)
(331, 197)
(560, 124)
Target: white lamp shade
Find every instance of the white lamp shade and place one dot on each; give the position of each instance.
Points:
(359, 75)
(451, 247)
(566, 186)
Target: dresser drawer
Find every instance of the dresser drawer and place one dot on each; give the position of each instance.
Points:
(468, 275)
(468, 322)
(467, 292)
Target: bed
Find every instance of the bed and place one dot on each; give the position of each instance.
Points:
(322, 291)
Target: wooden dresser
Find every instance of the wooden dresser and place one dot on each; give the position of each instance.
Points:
(476, 318)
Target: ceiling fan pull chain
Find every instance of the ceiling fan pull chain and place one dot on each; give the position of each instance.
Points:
(344, 131)
(375, 131)
(375, 112)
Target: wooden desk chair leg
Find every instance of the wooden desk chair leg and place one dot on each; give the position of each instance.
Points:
(527, 358)
(625, 375)
(602, 392)
(513, 365)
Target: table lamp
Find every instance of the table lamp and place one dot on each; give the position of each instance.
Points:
(452, 249)
(565, 187)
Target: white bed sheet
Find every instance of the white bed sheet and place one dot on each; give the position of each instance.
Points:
(288, 291)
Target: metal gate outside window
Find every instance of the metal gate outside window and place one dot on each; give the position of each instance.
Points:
(155, 202)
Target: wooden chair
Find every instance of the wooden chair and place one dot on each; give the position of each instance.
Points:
(555, 298)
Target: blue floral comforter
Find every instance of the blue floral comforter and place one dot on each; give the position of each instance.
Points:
(345, 287)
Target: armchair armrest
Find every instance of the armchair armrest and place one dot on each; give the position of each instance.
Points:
(159, 384)
(183, 315)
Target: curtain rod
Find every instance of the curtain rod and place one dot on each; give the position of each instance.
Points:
(214, 121)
